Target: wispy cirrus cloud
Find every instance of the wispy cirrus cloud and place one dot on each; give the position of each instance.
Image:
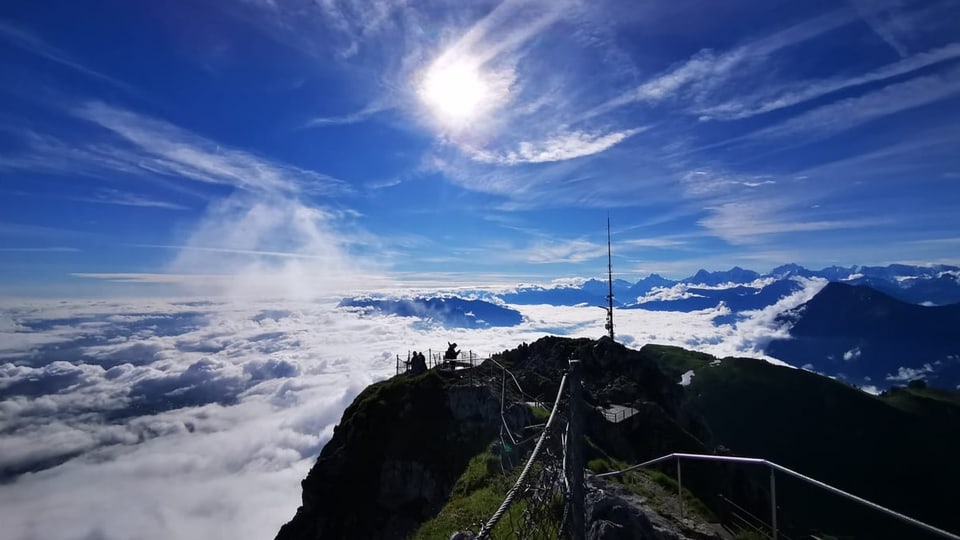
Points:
(32, 43)
(794, 93)
(564, 146)
(351, 118)
(755, 221)
(562, 252)
(188, 280)
(887, 19)
(274, 231)
(122, 198)
(708, 69)
(142, 146)
(851, 112)
(54, 249)
(163, 148)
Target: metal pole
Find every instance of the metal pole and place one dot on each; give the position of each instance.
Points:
(773, 502)
(609, 324)
(503, 391)
(575, 447)
(679, 489)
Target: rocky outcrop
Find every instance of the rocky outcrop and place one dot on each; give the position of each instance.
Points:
(395, 456)
(615, 513)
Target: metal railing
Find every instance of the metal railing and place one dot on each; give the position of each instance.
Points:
(774, 468)
(436, 359)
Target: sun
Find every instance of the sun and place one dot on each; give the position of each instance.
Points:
(456, 92)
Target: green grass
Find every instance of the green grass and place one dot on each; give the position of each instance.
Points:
(936, 402)
(674, 360)
(461, 513)
(475, 497)
(540, 414)
(477, 494)
(803, 421)
(599, 465)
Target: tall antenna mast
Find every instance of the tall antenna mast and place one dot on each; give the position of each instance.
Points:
(609, 325)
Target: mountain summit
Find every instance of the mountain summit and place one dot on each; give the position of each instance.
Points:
(868, 338)
(425, 456)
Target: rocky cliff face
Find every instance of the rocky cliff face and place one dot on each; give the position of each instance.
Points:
(395, 456)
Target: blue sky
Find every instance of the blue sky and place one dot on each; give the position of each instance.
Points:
(175, 143)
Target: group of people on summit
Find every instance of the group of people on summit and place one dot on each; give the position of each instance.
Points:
(418, 362)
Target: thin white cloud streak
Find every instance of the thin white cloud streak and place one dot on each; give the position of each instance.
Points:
(33, 44)
(120, 198)
(849, 113)
(662, 242)
(561, 147)
(887, 20)
(188, 280)
(752, 221)
(498, 34)
(54, 249)
(173, 151)
(353, 118)
(234, 251)
(574, 251)
(707, 70)
(801, 92)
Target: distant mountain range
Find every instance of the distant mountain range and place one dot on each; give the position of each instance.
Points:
(870, 326)
(867, 338)
(451, 312)
(743, 289)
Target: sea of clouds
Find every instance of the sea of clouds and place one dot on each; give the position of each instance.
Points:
(197, 418)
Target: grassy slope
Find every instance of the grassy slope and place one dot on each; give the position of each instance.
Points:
(895, 455)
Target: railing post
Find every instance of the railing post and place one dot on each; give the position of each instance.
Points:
(773, 502)
(679, 488)
(575, 447)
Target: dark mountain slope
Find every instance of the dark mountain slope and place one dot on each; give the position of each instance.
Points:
(868, 338)
(395, 457)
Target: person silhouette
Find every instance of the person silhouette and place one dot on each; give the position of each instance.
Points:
(418, 364)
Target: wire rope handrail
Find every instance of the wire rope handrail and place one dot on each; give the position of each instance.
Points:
(508, 500)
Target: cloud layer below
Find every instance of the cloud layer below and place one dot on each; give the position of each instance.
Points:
(198, 418)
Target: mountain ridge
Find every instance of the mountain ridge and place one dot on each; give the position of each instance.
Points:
(937, 284)
(377, 478)
(869, 338)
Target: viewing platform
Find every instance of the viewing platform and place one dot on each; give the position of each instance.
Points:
(440, 360)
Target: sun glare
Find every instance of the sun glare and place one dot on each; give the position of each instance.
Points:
(454, 91)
